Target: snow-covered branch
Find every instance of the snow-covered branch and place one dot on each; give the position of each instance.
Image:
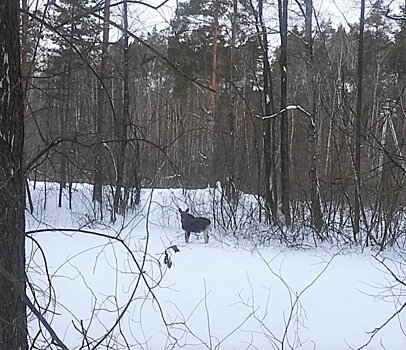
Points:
(288, 108)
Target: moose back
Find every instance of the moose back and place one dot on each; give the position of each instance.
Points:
(194, 224)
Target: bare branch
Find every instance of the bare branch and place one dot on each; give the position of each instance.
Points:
(394, 17)
(38, 314)
(375, 331)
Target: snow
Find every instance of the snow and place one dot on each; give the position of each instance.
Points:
(224, 295)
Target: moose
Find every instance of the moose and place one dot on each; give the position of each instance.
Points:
(194, 224)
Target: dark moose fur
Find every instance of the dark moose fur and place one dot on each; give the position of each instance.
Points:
(194, 224)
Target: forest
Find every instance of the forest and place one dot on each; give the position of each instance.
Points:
(261, 97)
(283, 124)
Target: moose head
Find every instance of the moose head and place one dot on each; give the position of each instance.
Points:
(194, 224)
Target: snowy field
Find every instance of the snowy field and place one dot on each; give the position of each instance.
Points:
(227, 294)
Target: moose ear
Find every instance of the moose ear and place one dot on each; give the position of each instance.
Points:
(180, 210)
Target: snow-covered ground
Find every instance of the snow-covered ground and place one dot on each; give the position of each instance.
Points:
(222, 295)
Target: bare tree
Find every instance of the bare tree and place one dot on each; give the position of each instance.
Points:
(269, 124)
(122, 133)
(100, 118)
(284, 123)
(357, 155)
(13, 324)
(312, 125)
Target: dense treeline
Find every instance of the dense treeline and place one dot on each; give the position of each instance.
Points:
(185, 106)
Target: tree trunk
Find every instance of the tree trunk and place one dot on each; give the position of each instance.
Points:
(213, 74)
(230, 147)
(100, 118)
(13, 324)
(213, 122)
(284, 123)
(317, 217)
(357, 157)
(24, 53)
(269, 131)
(125, 116)
(65, 119)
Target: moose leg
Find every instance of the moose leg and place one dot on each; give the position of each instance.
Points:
(206, 236)
(187, 235)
